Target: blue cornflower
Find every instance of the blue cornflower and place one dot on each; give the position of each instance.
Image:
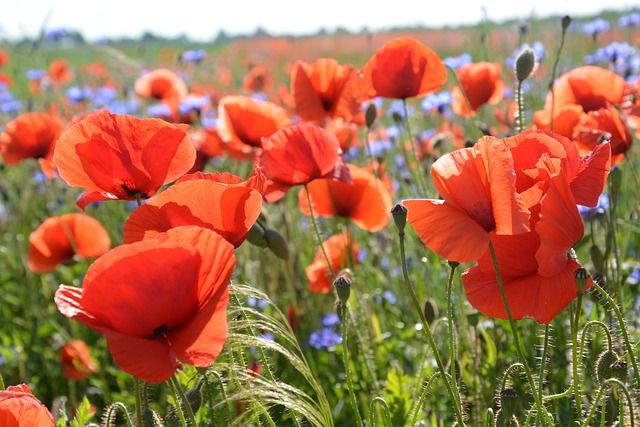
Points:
(159, 110)
(76, 94)
(208, 118)
(13, 106)
(378, 148)
(538, 50)
(123, 107)
(194, 55)
(324, 338)
(104, 96)
(396, 110)
(330, 319)
(634, 277)
(595, 27)
(436, 101)
(193, 103)
(35, 74)
(56, 34)
(599, 209)
(456, 62)
(630, 20)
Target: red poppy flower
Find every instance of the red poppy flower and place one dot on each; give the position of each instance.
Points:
(59, 238)
(299, 154)
(482, 83)
(537, 274)
(220, 202)
(208, 145)
(403, 68)
(122, 157)
(4, 58)
(605, 123)
(365, 200)
(326, 89)
(243, 122)
(477, 186)
(161, 84)
(20, 408)
(257, 80)
(342, 251)
(346, 132)
(59, 72)
(157, 300)
(31, 136)
(76, 361)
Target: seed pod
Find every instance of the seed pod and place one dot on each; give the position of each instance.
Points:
(525, 63)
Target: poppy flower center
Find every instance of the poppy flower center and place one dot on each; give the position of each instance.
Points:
(128, 188)
(160, 331)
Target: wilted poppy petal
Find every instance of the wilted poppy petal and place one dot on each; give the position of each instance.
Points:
(446, 230)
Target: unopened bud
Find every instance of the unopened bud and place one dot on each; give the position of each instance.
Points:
(370, 114)
(277, 244)
(430, 311)
(619, 370)
(151, 418)
(399, 213)
(256, 236)
(615, 180)
(525, 63)
(508, 402)
(603, 366)
(566, 21)
(343, 288)
(582, 278)
(597, 258)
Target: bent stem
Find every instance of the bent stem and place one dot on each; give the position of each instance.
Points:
(514, 331)
(384, 408)
(451, 390)
(317, 231)
(347, 369)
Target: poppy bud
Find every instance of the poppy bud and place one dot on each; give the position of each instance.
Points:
(343, 288)
(371, 114)
(151, 418)
(508, 402)
(399, 213)
(582, 277)
(430, 310)
(525, 63)
(605, 369)
(597, 258)
(566, 21)
(503, 421)
(615, 178)
(277, 244)
(256, 236)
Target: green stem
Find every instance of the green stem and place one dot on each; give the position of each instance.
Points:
(574, 353)
(452, 340)
(110, 417)
(347, 369)
(136, 383)
(514, 330)
(553, 77)
(223, 391)
(623, 328)
(385, 411)
(543, 361)
(419, 172)
(317, 231)
(427, 332)
(625, 391)
(520, 107)
(180, 400)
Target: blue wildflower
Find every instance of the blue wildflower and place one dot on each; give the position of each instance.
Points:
(396, 110)
(159, 110)
(324, 338)
(76, 94)
(193, 103)
(104, 95)
(436, 101)
(330, 319)
(630, 20)
(456, 62)
(56, 34)
(194, 55)
(599, 209)
(595, 27)
(35, 74)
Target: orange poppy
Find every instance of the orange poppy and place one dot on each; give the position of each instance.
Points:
(220, 202)
(477, 186)
(161, 84)
(482, 83)
(243, 122)
(403, 68)
(60, 72)
(6, 80)
(20, 408)
(297, 155)
(208, 145)
(76, 361)
(157, 300)
(4, 58)
(257, 80)
(365, 200)
(326, 89)
(122, 157)
(342, 251)
(537, 273)
(607, 123)
(31, 136)
(346, 132)
(59, 238)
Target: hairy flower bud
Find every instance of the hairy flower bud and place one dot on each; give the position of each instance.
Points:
(582, 278)
(371, 114)
(399, 213)
(603, 365)
(256, 236)
(343, 288)
(525, 63)
(277, 244)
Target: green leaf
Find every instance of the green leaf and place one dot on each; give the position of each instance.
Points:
(397, 394)
(83, 416)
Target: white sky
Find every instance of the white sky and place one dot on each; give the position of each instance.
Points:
(202, 20)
